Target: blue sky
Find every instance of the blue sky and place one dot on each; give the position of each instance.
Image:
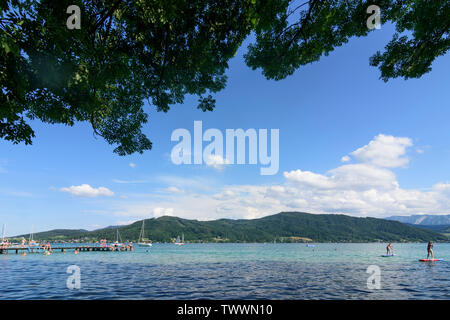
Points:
(395, 135)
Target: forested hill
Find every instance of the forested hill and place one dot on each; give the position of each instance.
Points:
(282, 227)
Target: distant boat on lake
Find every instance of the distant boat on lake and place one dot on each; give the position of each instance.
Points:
(177, 242)
(31, 241)
(4, 240)
(142, 241)
(117, 243)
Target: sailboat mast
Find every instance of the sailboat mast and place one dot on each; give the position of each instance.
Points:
(3, 232)
(141, 235)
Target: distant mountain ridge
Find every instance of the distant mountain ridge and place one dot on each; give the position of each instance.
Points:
(440, 228)
(55, 234)
(282, 227)
(425, 220)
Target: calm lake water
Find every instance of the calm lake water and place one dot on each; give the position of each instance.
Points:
(231, 271)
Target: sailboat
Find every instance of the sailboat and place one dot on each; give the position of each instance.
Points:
(117, 243)
(3, 235)
(142, 242)
(178, 243)
(5, 241)
(31, 242)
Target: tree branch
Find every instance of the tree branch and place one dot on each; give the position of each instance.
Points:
(303, 23)
(108, 15)
(298, 7)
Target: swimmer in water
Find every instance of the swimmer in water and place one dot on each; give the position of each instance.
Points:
(430, 250)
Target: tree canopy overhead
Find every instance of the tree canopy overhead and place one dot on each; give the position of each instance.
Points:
(127, 52)
(302, 33)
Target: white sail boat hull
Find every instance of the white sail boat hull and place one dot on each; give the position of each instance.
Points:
(144, 244)
(178, 243)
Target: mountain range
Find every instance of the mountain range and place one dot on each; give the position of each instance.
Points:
(281, 227)
(425, 220)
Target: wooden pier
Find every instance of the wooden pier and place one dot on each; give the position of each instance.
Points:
(35, 249)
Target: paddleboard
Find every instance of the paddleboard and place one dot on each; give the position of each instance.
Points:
(388, 255)
(430, 260)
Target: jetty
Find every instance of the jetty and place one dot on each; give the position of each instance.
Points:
(65, 248)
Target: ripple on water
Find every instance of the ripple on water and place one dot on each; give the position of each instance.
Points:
(218, 278)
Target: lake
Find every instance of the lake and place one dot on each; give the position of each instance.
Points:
(231, 271)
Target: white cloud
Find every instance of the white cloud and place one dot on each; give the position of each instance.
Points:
(216, 161)
(367, 187)
(346, 177)
(86, 190)
(132, 165)
(309, 179)
(362, 176)
(442, 187)
(125, 222)
(173, 190)
(384, 151)
(143, 210)
(345, 159)
(159, 212)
